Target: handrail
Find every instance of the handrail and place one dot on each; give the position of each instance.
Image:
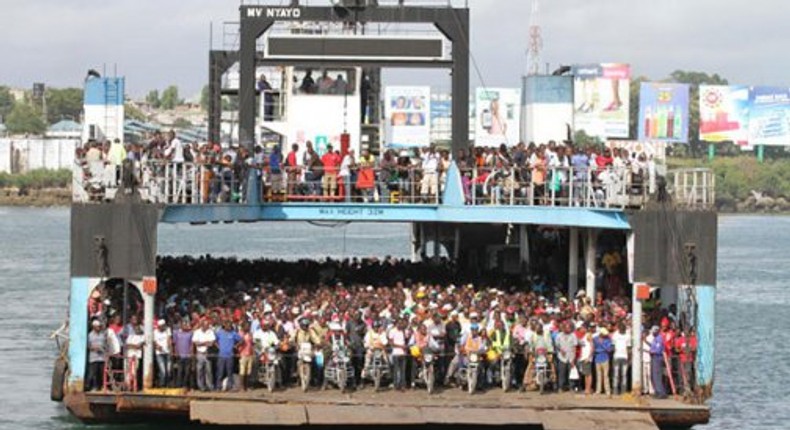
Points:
(210, 182)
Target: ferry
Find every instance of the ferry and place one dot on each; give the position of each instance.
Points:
(669, 228)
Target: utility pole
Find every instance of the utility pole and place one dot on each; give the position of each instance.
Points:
(535, 41)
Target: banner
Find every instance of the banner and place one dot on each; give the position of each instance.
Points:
(408, 116)
(652, 150)
(601, 94)
(769, 114)
(724, 113)
(498, 116)
(664, 112)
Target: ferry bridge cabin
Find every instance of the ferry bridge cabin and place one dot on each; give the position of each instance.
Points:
(477, 224)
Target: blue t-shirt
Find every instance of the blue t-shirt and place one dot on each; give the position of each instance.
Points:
(226, 340)
(275, 159)
(603, 346)
(657, 347)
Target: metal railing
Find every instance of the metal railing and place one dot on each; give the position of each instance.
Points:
(162, 181)
(693, 188)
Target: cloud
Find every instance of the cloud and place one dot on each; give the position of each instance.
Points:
(158, 43)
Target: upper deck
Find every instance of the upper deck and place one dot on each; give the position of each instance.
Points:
(566, 197)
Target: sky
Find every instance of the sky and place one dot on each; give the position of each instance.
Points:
(156, 43)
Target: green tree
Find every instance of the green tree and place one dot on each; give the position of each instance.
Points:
(6, 102)
(633, 105)
(182, 123)
(63, 103)
(132, 112)
(695, 79)
(152, 98)
(170, 98)
(204, 98)
(25, 119)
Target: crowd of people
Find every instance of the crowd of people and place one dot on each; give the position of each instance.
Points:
(218, 317)
(539, 174)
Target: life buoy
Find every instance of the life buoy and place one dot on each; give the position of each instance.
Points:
(57, 389)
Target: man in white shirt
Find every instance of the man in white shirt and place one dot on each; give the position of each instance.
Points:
(265, 337)
(163, 345)
(175, 148)
(134, 354)
(622, 353)
(429, 187)
(397, 338)
(203, 338)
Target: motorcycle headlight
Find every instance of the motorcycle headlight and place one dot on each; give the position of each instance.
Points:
(506, 355)
(428, 358)
(474, 358)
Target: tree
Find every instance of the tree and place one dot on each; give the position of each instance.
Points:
(6, 102)
(182, 123)
(633, 105)
(204, 98)
(170, 98)
(695, 79)
(152, 98)
(63, 103)
(25, 119)
(132, 112)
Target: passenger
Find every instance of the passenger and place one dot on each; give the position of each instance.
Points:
(203, 338)
(603, 349)
(227, 339)
(657, 357)
(622, 356)
(398, 340)
(246, 355)
(135, 343)
(566, 355)
(97, 356)
(182, 340)
(163, 347)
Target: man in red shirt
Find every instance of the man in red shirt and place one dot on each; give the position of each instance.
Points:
(331, 161)
(292, 169)
(686, 349)
(246, 354)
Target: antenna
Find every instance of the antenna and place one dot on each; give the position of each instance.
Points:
(535, 41)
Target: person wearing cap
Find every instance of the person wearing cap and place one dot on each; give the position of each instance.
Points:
(134, 354)
(97, 351)
(603, 349)
(163, 346)
(203, 338)
(375, 339)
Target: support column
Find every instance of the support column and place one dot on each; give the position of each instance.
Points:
(636, 344)
(589, 258)
(706, 323)
(415, 243)
(148, 350)
(573, 262)
(437, 250)
(523, 246)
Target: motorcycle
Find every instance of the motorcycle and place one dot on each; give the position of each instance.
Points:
(506, 369)
(305, 356)
(428, 370)
(339, 369)
(470, 374)
(378, 369)
(541, 368)
(269, 372)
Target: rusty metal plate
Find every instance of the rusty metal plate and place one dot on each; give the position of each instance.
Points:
(238, 413)
(363, 415)
(597, 420)
(481, 416)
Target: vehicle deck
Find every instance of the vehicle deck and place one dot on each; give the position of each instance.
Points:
(364, 407)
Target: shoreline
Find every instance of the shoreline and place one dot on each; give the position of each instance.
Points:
(61, 197)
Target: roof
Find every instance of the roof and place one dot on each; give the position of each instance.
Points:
(66, 125)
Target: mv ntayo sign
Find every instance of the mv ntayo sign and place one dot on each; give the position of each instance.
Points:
(274, 12)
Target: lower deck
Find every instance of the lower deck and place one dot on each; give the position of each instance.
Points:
(390, 408)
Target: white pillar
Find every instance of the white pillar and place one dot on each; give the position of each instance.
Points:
(636, 323)
(523, 245)
(415, 243)
(573, 262)
(148, 350)
(589, 257)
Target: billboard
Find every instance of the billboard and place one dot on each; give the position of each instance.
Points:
(548, 111)
(408, 116)
(769, 116)
(600, 95)
(724, 113)
(497, 116)
(664, 112)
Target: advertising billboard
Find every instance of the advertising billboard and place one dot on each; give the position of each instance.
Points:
(664, 112)
(769, 116)
(408, 116)
(497, 116)
(724, 113)
(548, 112)
(601, 94)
